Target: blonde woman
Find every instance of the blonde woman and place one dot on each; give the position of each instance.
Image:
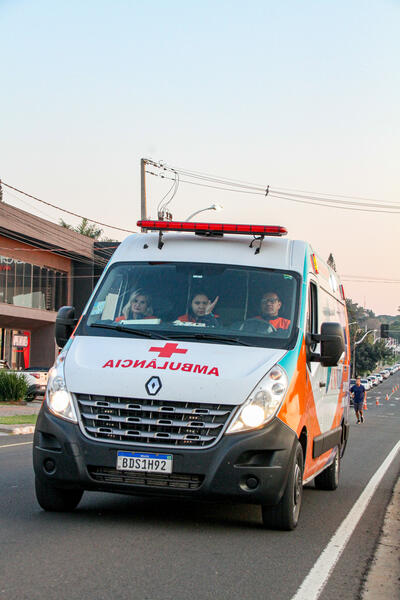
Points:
(139, 306)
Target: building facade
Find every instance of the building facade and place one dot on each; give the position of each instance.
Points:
(43, 266)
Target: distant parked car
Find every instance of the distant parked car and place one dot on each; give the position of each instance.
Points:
(385, 374)
(379, 377)
(373, 380)
(366, 383)
(39, 382)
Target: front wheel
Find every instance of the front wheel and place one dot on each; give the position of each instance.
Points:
(56, 499)
(285, 515)
(329, 479)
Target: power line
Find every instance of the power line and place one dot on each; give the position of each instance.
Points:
(231, 181)
(328, 202)
(67, 211)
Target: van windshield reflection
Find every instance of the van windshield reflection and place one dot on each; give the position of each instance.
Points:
(224, 303)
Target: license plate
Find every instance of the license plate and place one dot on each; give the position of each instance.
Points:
(144, 461)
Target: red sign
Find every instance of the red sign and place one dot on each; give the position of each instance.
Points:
(129, 363)
(168, 350)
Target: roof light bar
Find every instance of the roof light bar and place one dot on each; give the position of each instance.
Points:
(217, 228)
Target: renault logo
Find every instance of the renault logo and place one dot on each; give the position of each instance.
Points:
(153, 386)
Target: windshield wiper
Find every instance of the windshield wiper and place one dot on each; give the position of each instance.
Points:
(209, 336)
(125, 329)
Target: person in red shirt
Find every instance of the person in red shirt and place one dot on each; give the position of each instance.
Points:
(200, 311)
(270, 306)
(138, 307)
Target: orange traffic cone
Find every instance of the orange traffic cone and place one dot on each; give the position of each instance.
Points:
(387, 397)
(377, 401)
(365, 407)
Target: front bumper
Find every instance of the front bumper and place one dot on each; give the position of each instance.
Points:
(250, 467)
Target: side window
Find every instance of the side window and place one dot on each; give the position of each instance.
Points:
(312, 315)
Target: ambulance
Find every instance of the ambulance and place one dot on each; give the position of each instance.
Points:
(211, 362)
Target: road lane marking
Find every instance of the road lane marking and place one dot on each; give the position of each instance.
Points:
(20, 444)
(317, 578)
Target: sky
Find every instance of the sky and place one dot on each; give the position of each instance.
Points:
(297, 95)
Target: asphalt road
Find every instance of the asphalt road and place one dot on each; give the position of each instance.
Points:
(121, 547)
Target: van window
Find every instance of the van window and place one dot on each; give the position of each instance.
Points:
(312, 313)
(249, 305)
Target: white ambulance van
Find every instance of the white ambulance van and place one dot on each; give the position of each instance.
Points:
(212, 361)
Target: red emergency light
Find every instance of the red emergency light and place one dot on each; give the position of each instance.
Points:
(213, 228)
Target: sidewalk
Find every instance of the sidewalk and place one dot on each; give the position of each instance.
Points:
(383, 578)
(14, 410)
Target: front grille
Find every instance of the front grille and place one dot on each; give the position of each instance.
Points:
(173, 480)
(156, 422)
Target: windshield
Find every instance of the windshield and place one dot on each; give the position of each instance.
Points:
(221, 303)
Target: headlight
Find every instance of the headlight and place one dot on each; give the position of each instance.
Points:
(263, 402)
(58, 398)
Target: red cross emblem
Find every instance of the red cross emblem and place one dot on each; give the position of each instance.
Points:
(168, 350)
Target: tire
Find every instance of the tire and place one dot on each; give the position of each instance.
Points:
(55, 499)
(285, 515)
(30, 395)
(329, 478)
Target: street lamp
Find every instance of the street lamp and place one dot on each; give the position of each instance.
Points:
(212, 207)
(354, 350)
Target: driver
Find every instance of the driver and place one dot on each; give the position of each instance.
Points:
(270, 306)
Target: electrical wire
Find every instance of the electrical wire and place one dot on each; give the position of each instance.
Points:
(28, 204)
(65, 210)
(332, 200)
(328, 203)
(226, 180)
(162, 206)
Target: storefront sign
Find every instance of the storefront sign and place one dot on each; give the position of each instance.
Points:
(20, 341)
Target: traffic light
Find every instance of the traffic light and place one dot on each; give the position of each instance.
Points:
(384, 330)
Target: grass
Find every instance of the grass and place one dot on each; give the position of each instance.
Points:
(19, 420)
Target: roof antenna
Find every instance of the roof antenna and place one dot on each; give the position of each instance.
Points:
(259, 240)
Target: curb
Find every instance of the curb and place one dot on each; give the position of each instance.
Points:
(383, 578)
(17, 429)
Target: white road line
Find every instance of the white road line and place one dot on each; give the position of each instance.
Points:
(20, 444)
(317, 578)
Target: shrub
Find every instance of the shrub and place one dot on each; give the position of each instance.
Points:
(13, 387)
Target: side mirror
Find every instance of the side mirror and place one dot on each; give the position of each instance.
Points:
(332, 344)
(65, 324)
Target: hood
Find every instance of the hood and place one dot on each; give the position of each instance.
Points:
(186, 371)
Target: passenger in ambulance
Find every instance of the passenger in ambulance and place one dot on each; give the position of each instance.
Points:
(200, 311)
(139, 306)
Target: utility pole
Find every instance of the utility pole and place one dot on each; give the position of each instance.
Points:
(143, 163)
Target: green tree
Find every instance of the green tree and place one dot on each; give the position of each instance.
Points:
(369, 355)
(84, 228)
